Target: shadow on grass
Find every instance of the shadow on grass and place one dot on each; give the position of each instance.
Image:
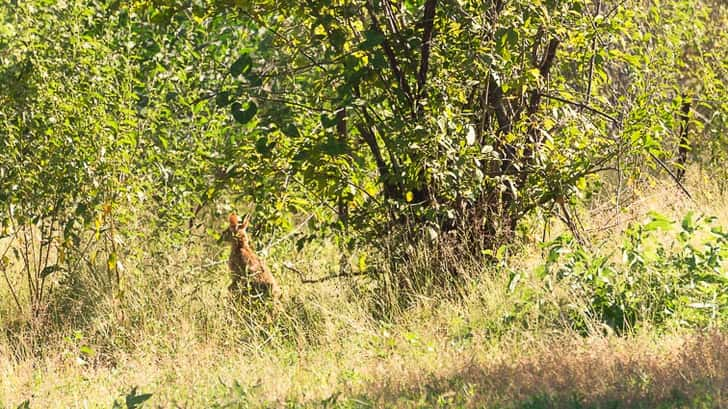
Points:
(601, 374)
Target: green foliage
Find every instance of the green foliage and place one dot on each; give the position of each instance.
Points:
(132, 400)
(353, 120)
(67, 136)
(672, 278)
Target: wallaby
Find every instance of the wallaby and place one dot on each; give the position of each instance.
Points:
(250, 275)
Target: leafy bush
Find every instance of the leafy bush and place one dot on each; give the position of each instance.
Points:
(675, 278)
(120, 119)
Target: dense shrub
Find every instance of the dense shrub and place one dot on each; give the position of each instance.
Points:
(676, 277)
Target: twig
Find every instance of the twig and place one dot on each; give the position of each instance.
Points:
(391, 57)
(281, 36)
(390, 17)
(322, 279)
(581, 105)
(684, 145)
(294, 231)
(672, 175)
(593, 56)
(7, 279)
(614, 8)
(297, 104)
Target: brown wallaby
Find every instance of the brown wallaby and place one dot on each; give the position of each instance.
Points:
(249, 273)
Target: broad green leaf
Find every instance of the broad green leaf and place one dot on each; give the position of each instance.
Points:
(328, 121)
(134, 400)
(242, 65)
(48, 270)
(244, 116)
(658, 221)
(222, 99)
(688, 223)
(372, 38)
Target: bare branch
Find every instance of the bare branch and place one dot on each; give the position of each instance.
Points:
(391, 57)
(672, 175)
(581, 105)
(304, 280)
(428, 21)
(684, 147)
(593, 55)
(390, 17)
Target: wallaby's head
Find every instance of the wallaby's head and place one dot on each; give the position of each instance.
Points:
(236, 231)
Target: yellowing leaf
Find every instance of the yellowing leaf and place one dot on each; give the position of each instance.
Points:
(362, 262)
(533, 73)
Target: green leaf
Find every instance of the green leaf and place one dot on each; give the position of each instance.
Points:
(242, 65)
(506, 37)
(87, 350)
(372, 39)
(687, 222)
(334, 147)
(244, 116)
(222, 99)
(262, 146)
(133, 400)
(48, 270)
(291, 130)
(658, 221)
(337, 38)
(327, 121)
(253, 79)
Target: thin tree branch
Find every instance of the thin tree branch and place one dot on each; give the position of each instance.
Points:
(367, 133)
(260, 21)
(672, 175)
(580, 105)
(390, 17)
(428, 20)
(548, 58)
(287, 236)
(494, 99)
(543, 68)
(7, 279)
(304, 280)
(684, 145)
(368, 136)
(318, 109)
(593, 56)
(391, 57)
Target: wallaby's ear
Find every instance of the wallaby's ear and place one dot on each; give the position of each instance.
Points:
(233, 219)
(245, 222)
